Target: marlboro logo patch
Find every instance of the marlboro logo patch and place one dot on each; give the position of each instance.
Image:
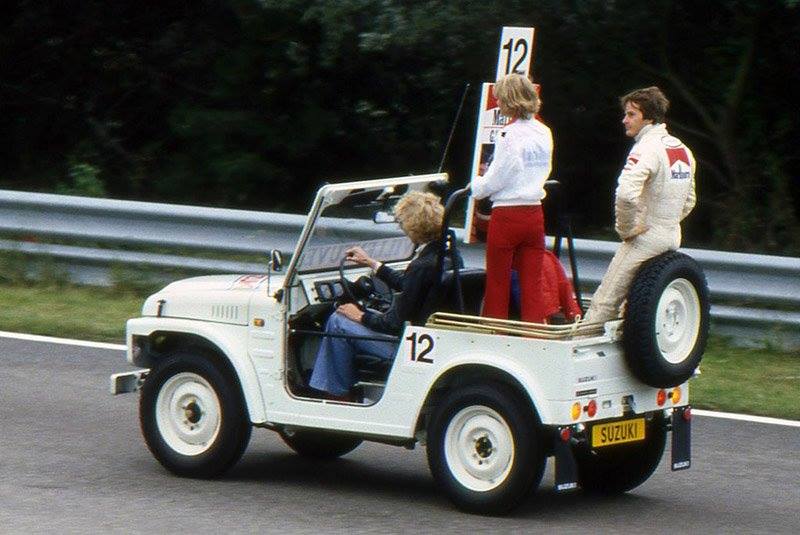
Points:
(679, 163)
(677, 155)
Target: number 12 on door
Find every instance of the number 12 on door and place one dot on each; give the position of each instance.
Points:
(420, 347)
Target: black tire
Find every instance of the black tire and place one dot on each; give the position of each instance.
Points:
(618, 469)
(211, 402)
(495, 427)
(666, 320)
(319, 444)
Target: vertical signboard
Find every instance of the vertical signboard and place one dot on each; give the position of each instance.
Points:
(490, 121)
(516, 51)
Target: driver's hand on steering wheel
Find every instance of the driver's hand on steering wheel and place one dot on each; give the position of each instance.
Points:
(351, 311)
(359, 256)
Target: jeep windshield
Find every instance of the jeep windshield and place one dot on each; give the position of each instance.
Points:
(342, 226)
(345, 215)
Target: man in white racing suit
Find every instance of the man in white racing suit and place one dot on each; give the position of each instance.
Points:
(655, 191)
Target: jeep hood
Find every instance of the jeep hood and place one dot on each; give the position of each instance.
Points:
(218, 298)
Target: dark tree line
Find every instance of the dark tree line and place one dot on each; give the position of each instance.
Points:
(251, 103)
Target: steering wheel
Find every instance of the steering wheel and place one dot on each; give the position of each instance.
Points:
(366, 292)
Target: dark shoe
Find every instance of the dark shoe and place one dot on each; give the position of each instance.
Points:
(344, 398)
(309, 392)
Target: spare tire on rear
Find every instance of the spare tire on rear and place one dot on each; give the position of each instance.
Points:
(666, 320)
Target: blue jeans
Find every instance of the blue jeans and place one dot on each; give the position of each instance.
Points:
(333, 369)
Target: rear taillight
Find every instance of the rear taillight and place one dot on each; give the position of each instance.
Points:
(591, 408)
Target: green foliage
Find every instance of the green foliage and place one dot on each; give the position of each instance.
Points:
(125, 279)
(13, 267)
(254, 103)
(84, 181)
(18, 268)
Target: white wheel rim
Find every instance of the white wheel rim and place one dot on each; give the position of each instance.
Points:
(188, 413)
(479, 448)
(677, 320)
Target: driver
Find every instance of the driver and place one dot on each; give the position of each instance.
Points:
(420, 217)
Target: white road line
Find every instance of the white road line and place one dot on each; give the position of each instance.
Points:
(746, 418)
(120, 347)
(63, 341)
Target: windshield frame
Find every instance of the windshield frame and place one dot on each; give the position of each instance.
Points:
(331, 194)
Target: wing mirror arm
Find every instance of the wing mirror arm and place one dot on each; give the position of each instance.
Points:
(275, 264)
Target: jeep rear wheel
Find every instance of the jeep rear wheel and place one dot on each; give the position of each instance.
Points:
(192, 416)
(483, 448)
(666, 320)
(618, 469)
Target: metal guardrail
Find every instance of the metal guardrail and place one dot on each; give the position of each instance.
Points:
(751, 285)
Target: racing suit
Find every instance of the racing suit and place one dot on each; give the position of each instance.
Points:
(655, 191)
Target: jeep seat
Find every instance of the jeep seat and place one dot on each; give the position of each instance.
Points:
(472, 282)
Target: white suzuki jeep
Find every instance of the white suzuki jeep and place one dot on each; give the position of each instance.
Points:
(490, 399)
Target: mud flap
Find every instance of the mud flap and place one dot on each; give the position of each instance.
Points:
(681, 438)
(566, 468)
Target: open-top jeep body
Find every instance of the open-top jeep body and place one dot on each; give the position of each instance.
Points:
(490, 399)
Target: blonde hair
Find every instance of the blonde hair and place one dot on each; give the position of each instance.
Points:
(420, 215)
(517, 96)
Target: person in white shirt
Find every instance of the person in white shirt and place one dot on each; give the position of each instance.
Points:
(655, 191)
(514, 183)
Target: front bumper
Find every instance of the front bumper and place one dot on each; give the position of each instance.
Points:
(122, 383)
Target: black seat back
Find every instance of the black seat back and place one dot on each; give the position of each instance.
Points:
(472, 282)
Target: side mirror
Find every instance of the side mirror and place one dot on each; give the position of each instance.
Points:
(275, 260)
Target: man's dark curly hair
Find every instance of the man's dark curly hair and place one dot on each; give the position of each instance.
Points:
(650, 100)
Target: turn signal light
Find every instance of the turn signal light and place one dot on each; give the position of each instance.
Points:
(661, 397)
(591, 408)
(576, 410)
(258, 322)
(676, 394)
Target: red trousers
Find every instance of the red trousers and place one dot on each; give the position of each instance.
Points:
(515, 237)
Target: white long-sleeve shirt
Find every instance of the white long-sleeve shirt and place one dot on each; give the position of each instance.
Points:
(522, 162)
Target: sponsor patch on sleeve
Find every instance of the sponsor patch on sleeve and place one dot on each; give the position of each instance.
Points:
(632, 160)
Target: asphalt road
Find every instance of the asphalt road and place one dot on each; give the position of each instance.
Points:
(72, 460)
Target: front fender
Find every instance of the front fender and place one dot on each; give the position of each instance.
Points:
(231, 341)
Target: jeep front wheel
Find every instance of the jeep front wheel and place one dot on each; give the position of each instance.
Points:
(192, 416)
(483, 448)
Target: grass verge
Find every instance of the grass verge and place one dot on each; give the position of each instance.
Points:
(760, 381)
(83, 313)
(734, 379)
